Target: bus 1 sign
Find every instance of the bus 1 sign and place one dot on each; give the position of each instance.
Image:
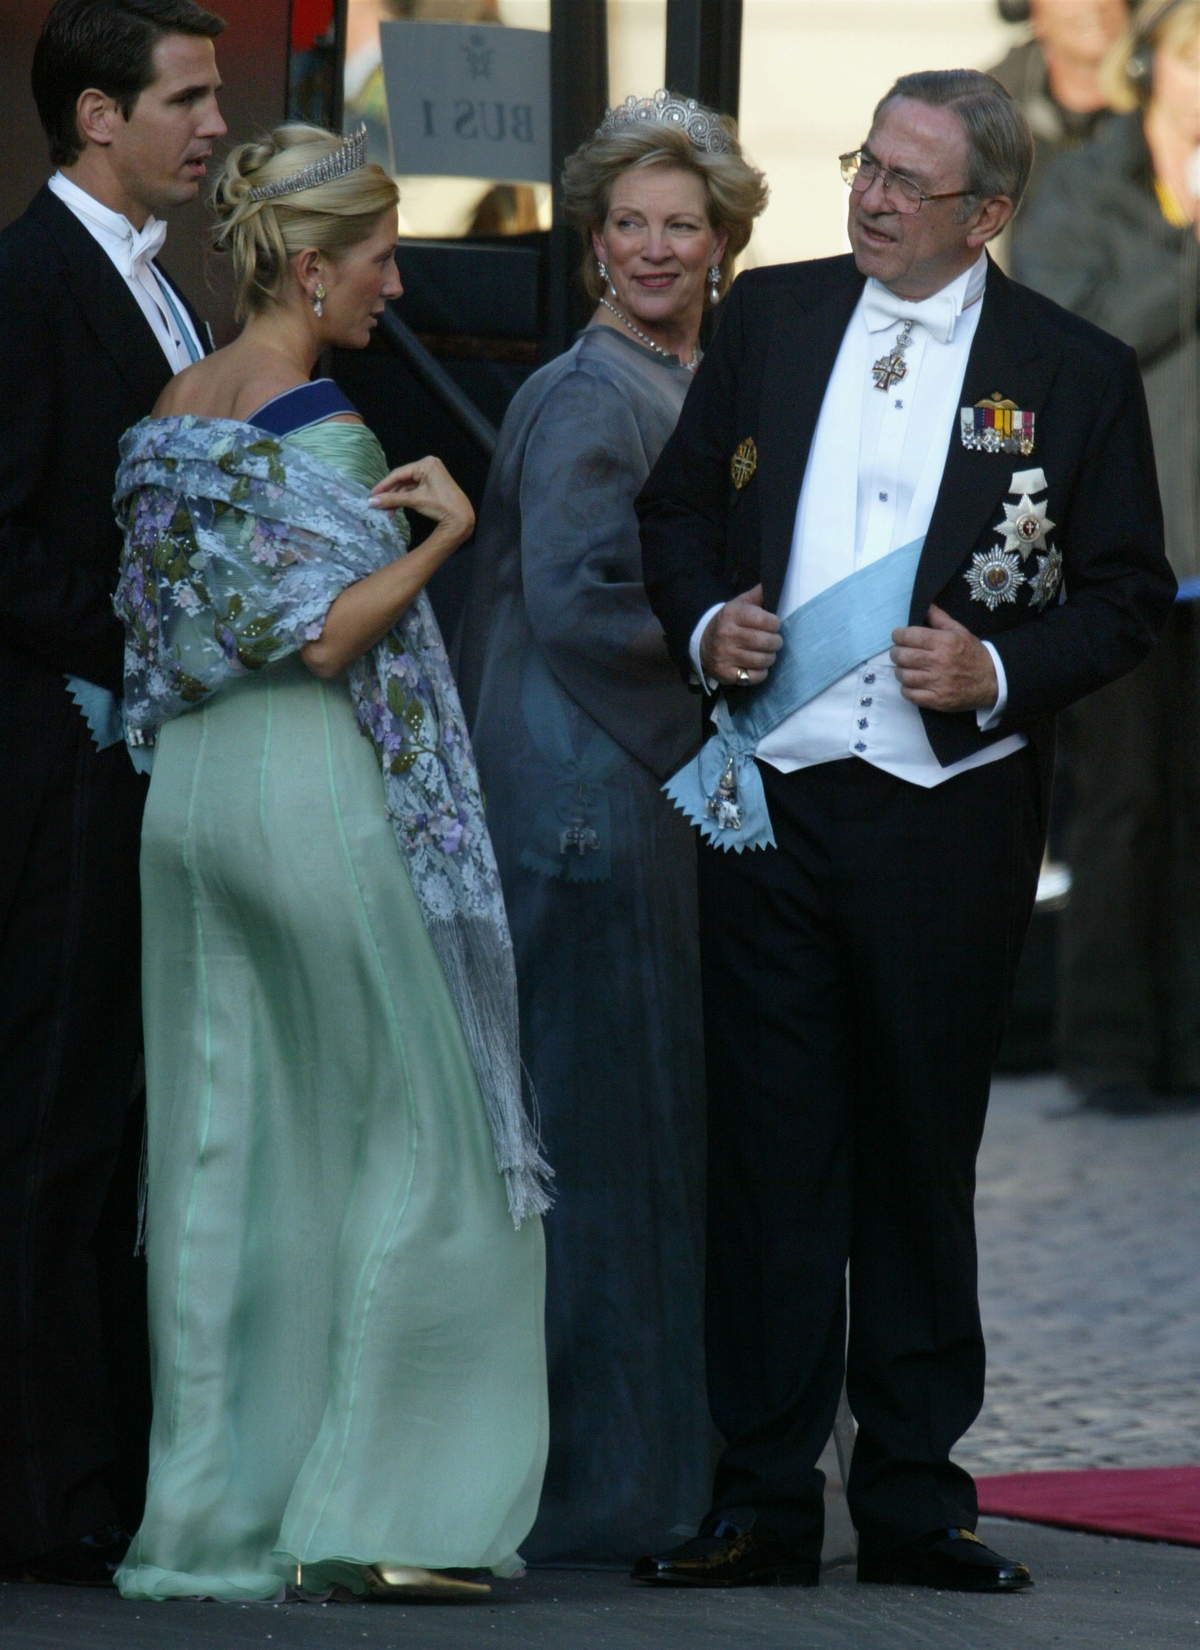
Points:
(465, 101)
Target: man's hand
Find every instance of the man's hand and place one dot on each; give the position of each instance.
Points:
(944, 667)
(742, 637)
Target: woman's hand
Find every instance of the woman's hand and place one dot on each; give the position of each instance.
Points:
(366, 611)
(428, 487)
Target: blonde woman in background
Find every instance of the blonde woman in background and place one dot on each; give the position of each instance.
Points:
(578, 715)
(346, 1307)
(1112, 235)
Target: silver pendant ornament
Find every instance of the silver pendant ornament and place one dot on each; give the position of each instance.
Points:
(579, 836)
(891, 368)
(724, 807)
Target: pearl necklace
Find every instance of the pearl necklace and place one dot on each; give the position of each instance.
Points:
(689, 366)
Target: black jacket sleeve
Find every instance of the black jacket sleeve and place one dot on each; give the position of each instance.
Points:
(1118, 585)
(53, 606)
(684, 504)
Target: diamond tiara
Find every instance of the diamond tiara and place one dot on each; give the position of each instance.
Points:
(350, 156)
(704, 129)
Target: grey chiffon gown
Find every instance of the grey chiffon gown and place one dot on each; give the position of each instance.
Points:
(577, 715)
(346, 1329)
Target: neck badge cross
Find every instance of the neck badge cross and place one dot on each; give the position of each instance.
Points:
(890, 369)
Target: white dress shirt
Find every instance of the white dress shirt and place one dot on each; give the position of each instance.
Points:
(132, 252)
(870, 486)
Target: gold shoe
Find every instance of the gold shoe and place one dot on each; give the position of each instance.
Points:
(401, 1581)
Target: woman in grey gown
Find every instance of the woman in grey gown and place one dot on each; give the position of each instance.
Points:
(577, 716)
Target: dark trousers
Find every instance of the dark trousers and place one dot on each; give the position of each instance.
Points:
(73, 1371)
(1129, 990)
(856, 983)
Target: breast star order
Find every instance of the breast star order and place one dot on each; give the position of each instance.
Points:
(1025, 527)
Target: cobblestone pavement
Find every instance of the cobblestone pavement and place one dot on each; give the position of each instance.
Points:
(1089, 1239)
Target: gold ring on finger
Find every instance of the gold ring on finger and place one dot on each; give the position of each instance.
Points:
(743, 675)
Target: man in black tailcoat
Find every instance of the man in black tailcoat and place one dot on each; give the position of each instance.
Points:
(906, 401)
(90, 332)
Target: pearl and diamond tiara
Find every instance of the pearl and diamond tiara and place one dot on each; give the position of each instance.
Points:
(350, 156)
(704, 129)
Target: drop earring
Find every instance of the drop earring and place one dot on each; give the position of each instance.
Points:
(602, 269)
(714, 284)
(317, 304)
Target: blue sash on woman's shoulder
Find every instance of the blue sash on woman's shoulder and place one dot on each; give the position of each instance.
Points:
(721, 790)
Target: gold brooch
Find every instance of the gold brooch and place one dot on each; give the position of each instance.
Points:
(743, 463)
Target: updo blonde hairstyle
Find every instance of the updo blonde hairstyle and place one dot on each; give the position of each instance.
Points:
(735, 191)
(1174, 27)
(261, 236)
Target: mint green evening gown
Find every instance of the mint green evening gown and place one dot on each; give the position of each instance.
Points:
(348, 1355)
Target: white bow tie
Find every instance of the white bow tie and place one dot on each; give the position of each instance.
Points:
(140, 246)
(882, 309)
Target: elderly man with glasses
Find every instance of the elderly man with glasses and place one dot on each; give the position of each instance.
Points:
(908, 514)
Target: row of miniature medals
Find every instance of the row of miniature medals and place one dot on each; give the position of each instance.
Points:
(997, 425)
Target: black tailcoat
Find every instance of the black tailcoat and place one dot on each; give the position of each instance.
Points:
(857, 976)
(79, 364)
(765, 376)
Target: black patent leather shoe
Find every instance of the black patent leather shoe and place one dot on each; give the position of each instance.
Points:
(92, 1561)
(953, 1560)
(730, 1557)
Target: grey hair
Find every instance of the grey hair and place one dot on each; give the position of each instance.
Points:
(999, 141)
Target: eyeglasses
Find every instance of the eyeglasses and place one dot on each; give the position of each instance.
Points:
(902, 195)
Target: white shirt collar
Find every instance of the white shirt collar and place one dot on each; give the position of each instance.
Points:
(128, 247)
(938, 313)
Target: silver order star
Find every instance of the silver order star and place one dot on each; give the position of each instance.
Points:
(1043, 587)
(1025, 527)
(995, 576)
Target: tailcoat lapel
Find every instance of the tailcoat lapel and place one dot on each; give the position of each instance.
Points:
(800, 359)
(1011, 354)
(111, 309)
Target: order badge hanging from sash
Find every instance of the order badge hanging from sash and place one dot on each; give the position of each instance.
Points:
(720, 790)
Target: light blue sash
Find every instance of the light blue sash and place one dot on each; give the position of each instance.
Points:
(105, 719)
(100, 711)
(721, 789)
(185, 331)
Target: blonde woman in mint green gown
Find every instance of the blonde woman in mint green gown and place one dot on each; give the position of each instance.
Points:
(344, 1243)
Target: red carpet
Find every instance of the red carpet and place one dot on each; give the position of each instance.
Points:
(1153, 1503)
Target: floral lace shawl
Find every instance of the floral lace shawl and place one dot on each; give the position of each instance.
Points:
(236, 545)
